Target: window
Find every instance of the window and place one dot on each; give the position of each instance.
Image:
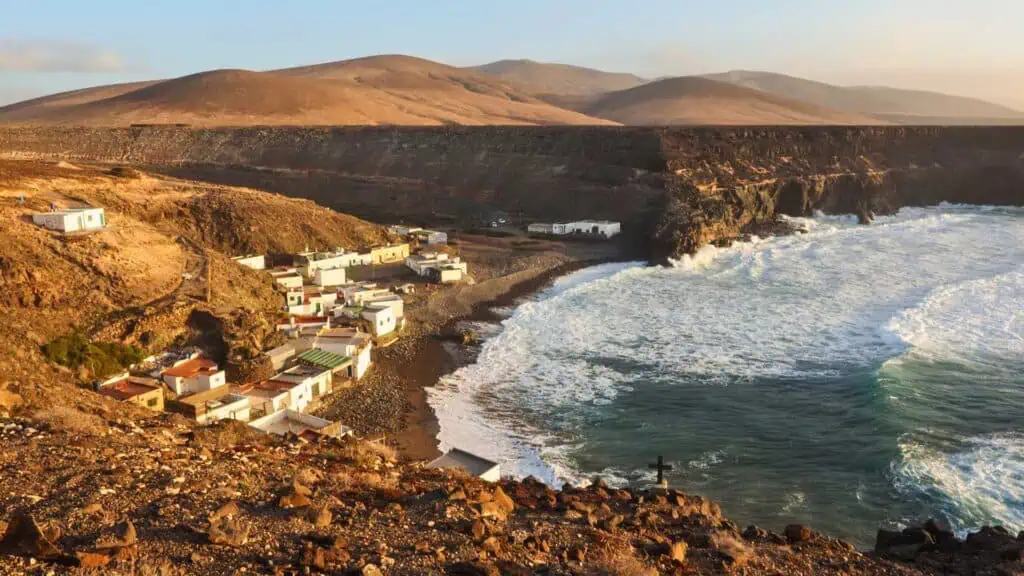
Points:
(152, 402)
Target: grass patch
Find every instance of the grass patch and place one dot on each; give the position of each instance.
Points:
(103, 359)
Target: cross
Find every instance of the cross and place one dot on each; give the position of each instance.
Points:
(661, 467)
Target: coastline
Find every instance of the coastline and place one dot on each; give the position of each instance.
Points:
(428, 361)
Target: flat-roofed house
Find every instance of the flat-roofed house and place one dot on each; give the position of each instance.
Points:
(329, 276)
(389, 254)
(191, 376)
(285, 422)
(456, 459)
(145, 392)
(304, 384)
(264, 398)
(381, 318)
(212, 405)
(344, 342)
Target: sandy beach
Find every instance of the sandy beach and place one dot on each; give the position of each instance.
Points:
(391, 401)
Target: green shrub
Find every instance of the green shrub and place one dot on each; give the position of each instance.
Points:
(101, 358)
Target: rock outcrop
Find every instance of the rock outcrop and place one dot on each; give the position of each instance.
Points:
(690, 186)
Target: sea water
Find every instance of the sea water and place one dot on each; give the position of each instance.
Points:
(851, 378)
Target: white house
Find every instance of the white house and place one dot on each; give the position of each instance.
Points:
(446, 273)
(605, 228)
(309, 262)
(192, 376)
(227, 407)
(430, 236)
(264, 398)
(257, 262)
(456, 459)
(403, 230)
(344, 342)
(423, 262)
(393, 301)
(72, 219)
(304, 383)
(284, 422)
(359, 296)
(287, 278)
(309, 301)
(381, 318)
(329, 276)
(541, 228)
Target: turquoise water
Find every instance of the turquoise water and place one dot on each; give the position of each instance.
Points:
(852, 377)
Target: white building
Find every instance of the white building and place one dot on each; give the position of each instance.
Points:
(72, 219)
(393, 301)
(329, 276)
(284, 422)
(605, 228)
(303, 383)
(308, 263)
(360, 295)
(309, 301)
(423, 262)
(193, 376)
(287, 278)
(446, 273)
(430, 236)
(257, 262)
(344, 342)
(227, 407)
(456, 459)
(403, 230)
(264, 398)
(381, 318)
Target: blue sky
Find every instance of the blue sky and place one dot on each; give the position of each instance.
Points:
(965, 46)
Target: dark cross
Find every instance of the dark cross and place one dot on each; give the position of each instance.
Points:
(661, 467)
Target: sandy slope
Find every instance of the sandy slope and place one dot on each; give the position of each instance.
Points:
(396, 90)
(695, 100)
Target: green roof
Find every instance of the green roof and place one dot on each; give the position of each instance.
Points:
(323, 359)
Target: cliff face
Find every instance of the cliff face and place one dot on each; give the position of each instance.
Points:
(683, 187)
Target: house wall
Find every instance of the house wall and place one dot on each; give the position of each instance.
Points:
(210, 382)
(382, 320)
(289, 281)
(255, 262)
(330, 277)
(153, 400)
(389, 254)
(362, 362)
(239, 410)
(397, 305)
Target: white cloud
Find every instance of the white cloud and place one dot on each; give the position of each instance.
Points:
(57, 56)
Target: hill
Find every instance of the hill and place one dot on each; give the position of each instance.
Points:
(384, 90)
(558, 79)
(911, 106)
(692, 100)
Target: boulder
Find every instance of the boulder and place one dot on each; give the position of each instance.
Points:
(227, 532)
(24, 536)
(798, 533)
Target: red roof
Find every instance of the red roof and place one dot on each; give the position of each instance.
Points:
(190, 368)
(126, 389)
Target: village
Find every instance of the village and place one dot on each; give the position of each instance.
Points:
(337, 306)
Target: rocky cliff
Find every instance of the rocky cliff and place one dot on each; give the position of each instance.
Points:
(683, 187)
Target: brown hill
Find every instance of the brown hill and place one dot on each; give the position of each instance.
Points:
(394, 90)
(558, 79)
(906, 106)
(691, 100)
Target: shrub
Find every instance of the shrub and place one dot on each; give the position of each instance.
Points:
(75, 350)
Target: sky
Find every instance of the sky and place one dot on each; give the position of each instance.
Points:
(970, 47)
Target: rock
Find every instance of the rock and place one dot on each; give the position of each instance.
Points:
(320, 516)
(91, 560)
(612, 522)
(422, 547)
(231, 532)
(755, 534)
(575, 554)
(125, 532)
(293, 500)
(457, 495)
(370, 570)
(735, 552)
(798, 533)
(503, 501)
(903, 545)
(492, 510)
(90, 509)
(24, 536)
(989, 538)
(479, 529)
(677, 551)
(491, 546)
(228, 510)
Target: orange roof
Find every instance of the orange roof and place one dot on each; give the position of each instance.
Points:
(191, 368)
(126, 389)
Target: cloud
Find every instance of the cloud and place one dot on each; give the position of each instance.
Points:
(57, 56)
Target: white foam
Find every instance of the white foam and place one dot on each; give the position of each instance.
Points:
(811, 305)
(983, 483)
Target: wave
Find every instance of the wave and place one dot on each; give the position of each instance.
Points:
(981, 483)
(840, 299)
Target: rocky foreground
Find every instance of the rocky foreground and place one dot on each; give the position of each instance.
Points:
(160, 496)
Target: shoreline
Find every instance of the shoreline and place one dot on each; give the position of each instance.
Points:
(428, 361)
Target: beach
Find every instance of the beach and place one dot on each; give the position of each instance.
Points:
(390, 403)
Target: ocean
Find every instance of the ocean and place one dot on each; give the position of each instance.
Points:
(851, 378)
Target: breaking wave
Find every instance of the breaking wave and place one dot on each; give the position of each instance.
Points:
(766, 359)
